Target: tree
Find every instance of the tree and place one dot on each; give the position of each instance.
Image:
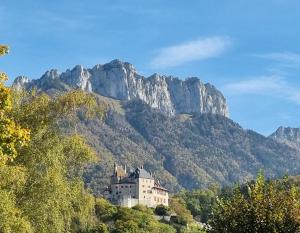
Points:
(128, 226)
(104, 210)
(41, 189)
(100, 228)
(184, 216)
(12, 178)
(162, 210)
(200, 202)
(265, 207)
(139, 220)
(12, 136)
(53, 197)
(11, 217)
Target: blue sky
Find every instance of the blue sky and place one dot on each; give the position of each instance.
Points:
(249, 50)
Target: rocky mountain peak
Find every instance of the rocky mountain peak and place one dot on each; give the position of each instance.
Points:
(51, 74)
(120, 80)
(21, 81)
(287, 133)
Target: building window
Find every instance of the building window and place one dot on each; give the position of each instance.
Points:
(122, 186)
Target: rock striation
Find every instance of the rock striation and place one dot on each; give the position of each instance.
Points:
(120, 80)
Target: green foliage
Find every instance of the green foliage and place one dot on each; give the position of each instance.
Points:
(11, 218)
(97, 228)
(53, 198)
(38, 111)
(143, 209)
(139, 221)
(128, 226)
(162, 210)
(101, 228)
(104, 210)
(184, 216)
(200, 202)
(193, 228)
(270, 207)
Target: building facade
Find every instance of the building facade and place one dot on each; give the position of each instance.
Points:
(135, 187)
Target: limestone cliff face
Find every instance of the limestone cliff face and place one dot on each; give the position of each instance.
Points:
(120, 80)
(288, 135)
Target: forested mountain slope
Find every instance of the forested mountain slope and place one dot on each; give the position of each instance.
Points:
(179, 129)
(184, 151)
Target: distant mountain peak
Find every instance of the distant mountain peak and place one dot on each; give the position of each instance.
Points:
(120, 80)
(287, 133)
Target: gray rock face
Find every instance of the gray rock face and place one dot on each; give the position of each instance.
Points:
(288, 135)
(20, 82)
(120, 80)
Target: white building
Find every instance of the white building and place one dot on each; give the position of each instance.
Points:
(136, 187)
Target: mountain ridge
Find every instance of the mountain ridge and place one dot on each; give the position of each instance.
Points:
(186, 149)
(120, 80)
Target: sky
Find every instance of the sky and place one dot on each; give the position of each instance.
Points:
(249, 50)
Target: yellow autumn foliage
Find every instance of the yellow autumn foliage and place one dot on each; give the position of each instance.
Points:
(12, 135)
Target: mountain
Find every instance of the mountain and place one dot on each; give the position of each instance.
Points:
(178, 129)
(288, 135)
(120, 80)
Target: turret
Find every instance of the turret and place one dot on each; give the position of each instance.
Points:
(118, 173)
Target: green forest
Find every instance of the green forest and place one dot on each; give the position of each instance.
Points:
(42, 190)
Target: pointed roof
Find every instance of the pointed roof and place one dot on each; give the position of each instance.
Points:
(140, 173)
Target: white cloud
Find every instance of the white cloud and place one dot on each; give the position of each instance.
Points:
(273, 85)
(262, 84)
(284, 58)
(190, 51)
